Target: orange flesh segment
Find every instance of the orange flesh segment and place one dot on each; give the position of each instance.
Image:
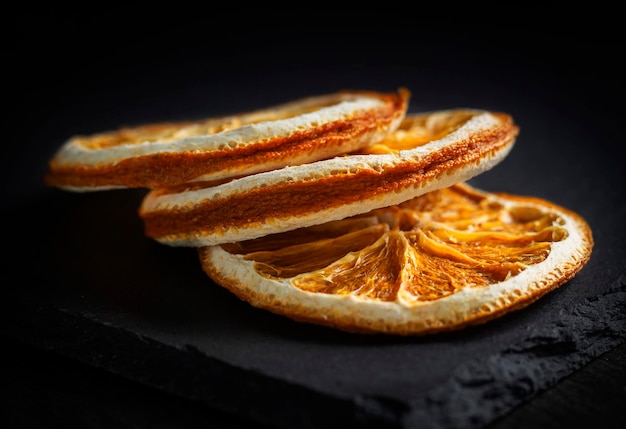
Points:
(425, 249)
(419, 130)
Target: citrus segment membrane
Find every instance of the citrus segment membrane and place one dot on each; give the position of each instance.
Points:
(442, 261)
(173, 153)
(428, 151)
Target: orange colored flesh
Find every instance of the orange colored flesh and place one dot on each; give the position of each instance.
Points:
(433, 246)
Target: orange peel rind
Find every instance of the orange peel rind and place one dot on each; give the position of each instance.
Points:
(428, 151)
(169, 154)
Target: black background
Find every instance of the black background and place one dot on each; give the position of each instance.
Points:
(90, 300)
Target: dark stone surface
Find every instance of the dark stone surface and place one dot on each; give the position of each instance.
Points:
(84, 284)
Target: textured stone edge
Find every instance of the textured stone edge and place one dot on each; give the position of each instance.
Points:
(521, 371)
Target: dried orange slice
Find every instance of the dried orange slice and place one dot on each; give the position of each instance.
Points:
(442, 261)
(168, 154)
(428, 151)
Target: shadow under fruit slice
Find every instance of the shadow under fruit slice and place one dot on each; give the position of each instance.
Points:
(442, 261)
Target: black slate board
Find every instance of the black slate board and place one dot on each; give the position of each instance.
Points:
(86, 284)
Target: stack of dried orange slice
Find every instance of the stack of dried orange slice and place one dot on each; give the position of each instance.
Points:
(343, 210)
